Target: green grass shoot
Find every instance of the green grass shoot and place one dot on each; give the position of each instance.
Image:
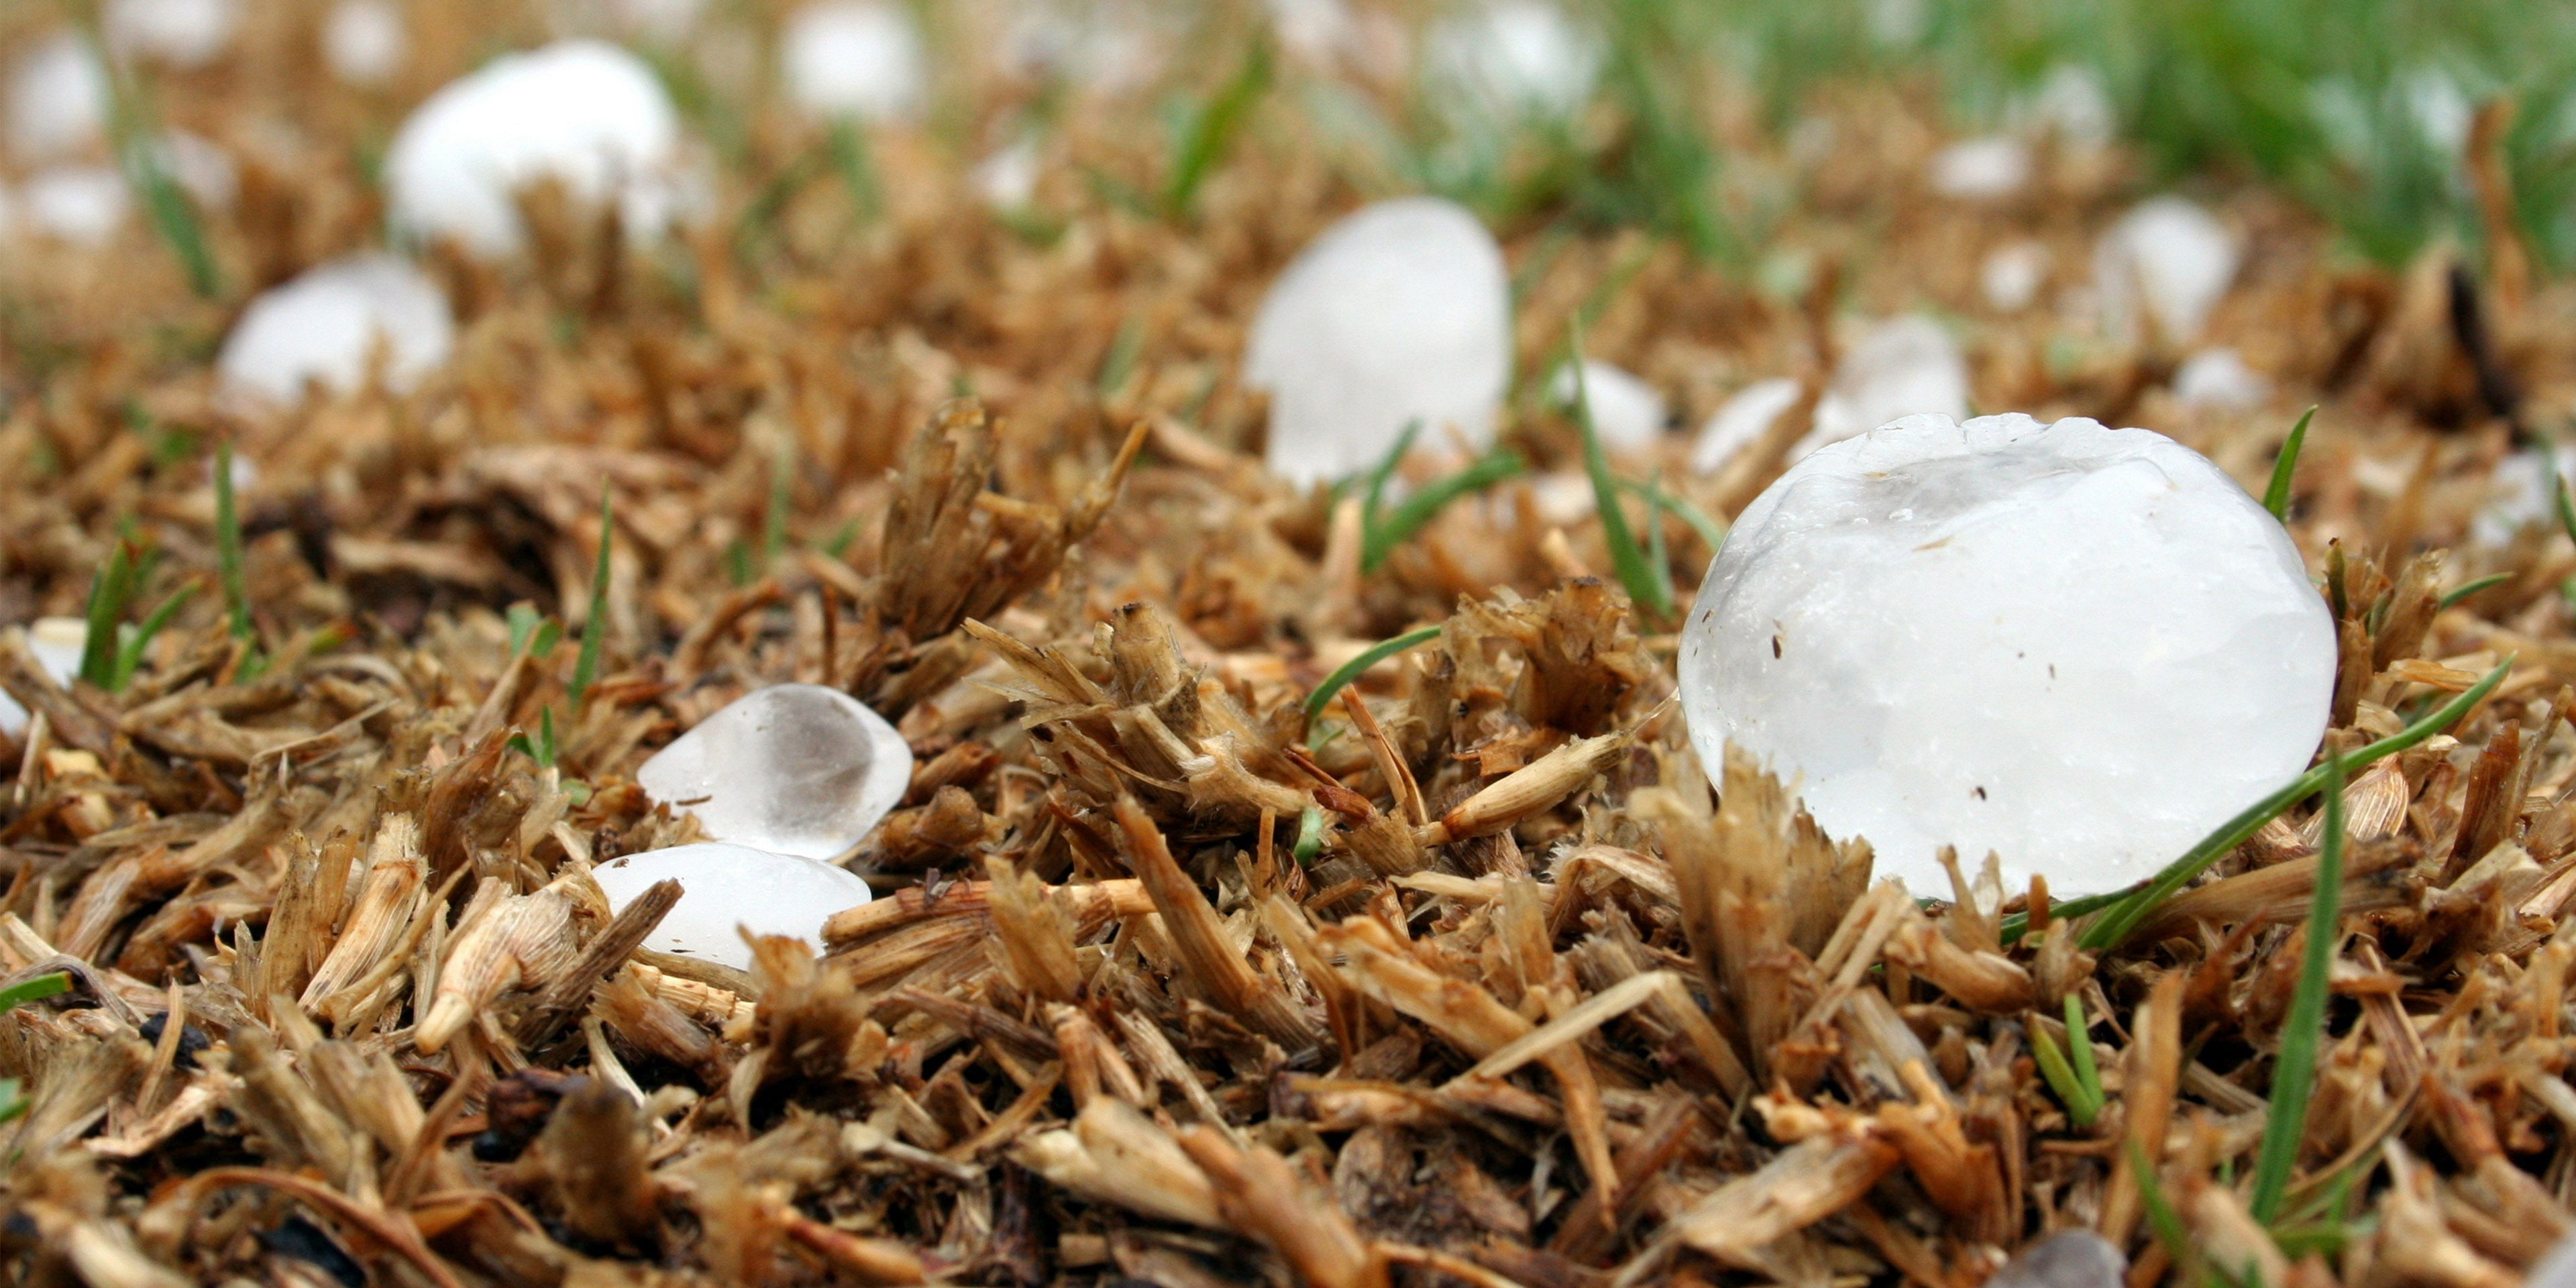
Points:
(2276, 498)
(2129, 909)
(594, 627)
(1351, 670)
(228, 547)
(1381, 535)
(2080, 1106)
(111, 592)
(134, 134)
(12, 1104)
(1120, 361)
(848, 149)
(2079, 1051)
(2294, 1069)
(1650, 586)
(1708, 528)
(2470, 588)
(132, 640)
(1310, 836)
(1211, 129)
(773, 518)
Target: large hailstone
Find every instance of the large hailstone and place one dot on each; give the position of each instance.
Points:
(859, 58)
(727, 889)
(57, 643)
(584, 112)
(325, 325)
(792, 769)
(2083, 649)
(2169, 260)
(1399, 313)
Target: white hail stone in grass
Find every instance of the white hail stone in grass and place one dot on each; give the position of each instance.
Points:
(2519, 492)
(2012, 274)
(726, 889)
(1400, 312)
(2066, 1259)
(182, 33)
(792, 769)
(1627, 413)
(2080, 648)
(1982, 169)
(1904, 366)
(57, 99)
(325, 326)
(200, 168)
(2073, 103)
(2168, 258)
(1008, 179)
(860, 58)
(57, 643)
(83, 205)
(2218, 377)
(1516, 58)
(1313, 30)
(584, 112)
(1741, 419)
(364, 41)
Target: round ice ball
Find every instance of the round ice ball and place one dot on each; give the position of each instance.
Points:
(364, 41)
(2080, 648)
(324, 326)
(1398, 314)
(583, 112)
(725, 889)
(860, 58)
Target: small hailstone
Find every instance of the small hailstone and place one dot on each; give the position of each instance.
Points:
(2169, 256)
(860, 58)
(2012, 275)
(2080, 648)
(1564, 498)
(792, 769)
(2519, 494)
(1313, 30)
(1008, 179)
(1098, 47)
(200, 168)
(364, 41)
(2441, 110)
(1627, 413)
(2218, 377)
(1400, 312)
(2073, 103)
(79, 204)
(57, 643)
(325, 325)
(182, 33)
(584, 112)
(2067, 1259)
(57, 99)
(726, 889)
(1517, 57)
(1904, 366)
(1982, 169)
(1740, 420)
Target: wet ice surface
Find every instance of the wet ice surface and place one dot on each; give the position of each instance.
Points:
(2166, 264)
(2080, 648)
(793, 769)
(725, 888)
(1398, 313)
(326, 325)
(57, 643)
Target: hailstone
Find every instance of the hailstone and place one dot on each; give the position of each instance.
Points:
(1905, 366)
(1981, 169)
(2218, 377)
(860, 58)
(82, 205)
(727, 889)
(793, 769)
(57, 643)
(364, 41)
(1627, 413)
(2082, 649)
(324, 326)
(2168, 259)
(1516, 58)
(57, 99)
(1743, 418)
(1399, 313)
(583, 112)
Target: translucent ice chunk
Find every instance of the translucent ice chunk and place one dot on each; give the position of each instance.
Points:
(1905, 366)
(1627, 413)
(1981, 169)
(1400, 312)
(1741, 419)
(325, 325)
(2080, 648)
(792, 768)
(582, 112)
(364, 41)
(2169, 260)
(57, 643)
(2066, 1259)
(727, 888)
(860, 58)
(2219, 378)
(57, 99)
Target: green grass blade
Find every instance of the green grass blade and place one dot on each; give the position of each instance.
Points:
(1381, 539)
(546, 748)
(1351, 670)
(2135, 906)
(111, 592)
(1385, 468)
(12, 1105)
(1627, 558)
(2061, 1078)
(2276, 498)
(850, 160)
(1120, 361)
(773, 520)
(1212, 131)
(585, 667)
(1709, 529)
(1310, 836)
(2294, 1070)
(42, 986)
(2161, 1216)
(2079, 1049)
(135, 139)
(129, 648)
(2491, 579)
(228, 547)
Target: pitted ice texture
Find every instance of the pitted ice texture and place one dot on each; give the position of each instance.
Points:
(2080, 648)
(792, 769)
(725, 889)
(325, 326)
(1399, 313)
(584, 113)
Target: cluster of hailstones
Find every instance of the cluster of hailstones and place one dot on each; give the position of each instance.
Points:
(2074, 647)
